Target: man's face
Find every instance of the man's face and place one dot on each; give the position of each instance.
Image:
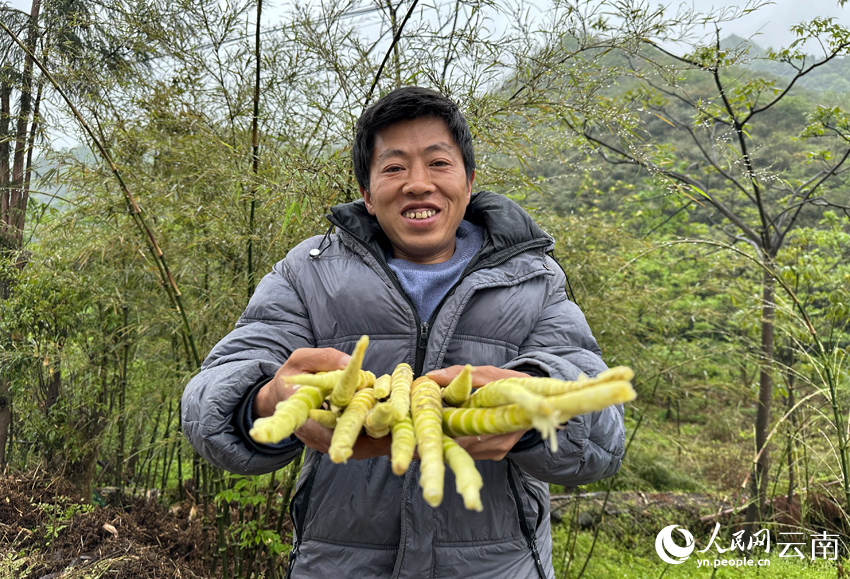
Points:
(418, 188)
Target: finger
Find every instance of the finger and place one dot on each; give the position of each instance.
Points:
(445, 375)
(315, 435)
(314, 360)
(489, 446)
(482, 375)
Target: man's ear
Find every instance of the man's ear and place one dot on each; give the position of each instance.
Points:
(469, 186)
(367, 198)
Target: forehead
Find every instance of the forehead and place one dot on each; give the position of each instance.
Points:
(412, 136)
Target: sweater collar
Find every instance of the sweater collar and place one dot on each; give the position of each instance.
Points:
(506, 224)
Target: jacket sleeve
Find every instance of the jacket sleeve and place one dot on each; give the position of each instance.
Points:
(591, 446)
(273, 325)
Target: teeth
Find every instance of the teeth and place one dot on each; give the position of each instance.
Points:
(420, 214)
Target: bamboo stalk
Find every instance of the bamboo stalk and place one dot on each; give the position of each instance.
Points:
(227, 520)
(148, 453)
(180, 448)
(169, 458)
(396, 38)
(255, 154)
(122, 400)
(294, 469)
(18, 195)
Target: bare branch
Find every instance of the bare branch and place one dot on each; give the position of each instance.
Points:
(676, 176)
(800, 73)
(389, 51)
(781, 234)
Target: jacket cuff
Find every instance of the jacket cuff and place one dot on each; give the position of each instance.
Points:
(529, 439)
(243, 422)
(532, 370)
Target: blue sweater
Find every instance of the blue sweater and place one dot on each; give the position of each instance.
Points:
(427, 284)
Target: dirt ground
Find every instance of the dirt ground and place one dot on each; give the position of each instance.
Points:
(47, 533)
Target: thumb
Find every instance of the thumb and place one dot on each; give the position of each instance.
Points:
(344, 360)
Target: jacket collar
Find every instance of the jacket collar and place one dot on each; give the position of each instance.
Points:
(508, 227)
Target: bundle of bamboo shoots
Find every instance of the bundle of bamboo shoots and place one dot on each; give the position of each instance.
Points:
(422, 416)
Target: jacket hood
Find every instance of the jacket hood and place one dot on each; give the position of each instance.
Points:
(507, 226)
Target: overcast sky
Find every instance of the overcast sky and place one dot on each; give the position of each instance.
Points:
(771, 23)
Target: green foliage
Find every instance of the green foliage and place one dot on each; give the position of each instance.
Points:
(60, 516)
(246, 494)
(15, 565)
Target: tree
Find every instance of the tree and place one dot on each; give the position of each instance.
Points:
(68, 36)
(741, 171)
(16, 140)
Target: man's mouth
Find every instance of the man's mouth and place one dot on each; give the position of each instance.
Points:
(422, 214)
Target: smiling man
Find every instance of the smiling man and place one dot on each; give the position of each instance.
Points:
(418, 189)
(437, 277)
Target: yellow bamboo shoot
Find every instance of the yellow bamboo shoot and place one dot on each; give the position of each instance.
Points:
(327, 418)
(509, 391)
(401, 382)
(403, 445)
(349, 425)
(591, 399)
(350, 378)
(289, 415)
(379, 420)
(383, 386)
(426, 409)
(468, 480)
(460, 388)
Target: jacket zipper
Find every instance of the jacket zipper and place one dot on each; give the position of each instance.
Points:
(421, 346)
(424, 328)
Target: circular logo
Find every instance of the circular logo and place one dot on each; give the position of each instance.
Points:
(668, 550)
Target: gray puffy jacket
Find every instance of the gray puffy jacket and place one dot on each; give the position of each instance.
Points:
(359, 519)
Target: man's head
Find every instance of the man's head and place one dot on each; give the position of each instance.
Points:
(408, 103)
(414, 162)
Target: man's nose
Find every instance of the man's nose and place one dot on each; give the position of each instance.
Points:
(419, 180)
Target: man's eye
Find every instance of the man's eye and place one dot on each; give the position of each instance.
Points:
(393, 169)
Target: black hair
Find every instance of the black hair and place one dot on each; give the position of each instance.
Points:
(402, 104)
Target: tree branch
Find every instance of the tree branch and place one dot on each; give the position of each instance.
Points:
(781, 235)
(738, 128)
(706, 154)
(396, 38)
(800, 73)
(686, 100)
(675, 176)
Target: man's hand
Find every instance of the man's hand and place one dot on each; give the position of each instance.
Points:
(313, 434)
(302, 361)
(489, 446)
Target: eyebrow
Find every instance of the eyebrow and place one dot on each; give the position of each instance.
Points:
(441, 146)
